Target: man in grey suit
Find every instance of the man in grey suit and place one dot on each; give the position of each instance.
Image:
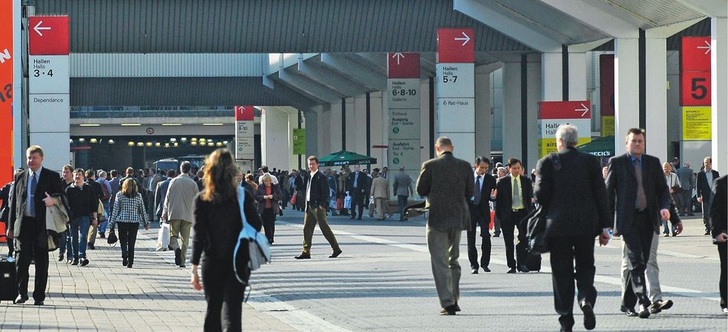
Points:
(687, 182)
(563, 179)
(402, 187)
(447, 182)
(704, 184)
(639, 197)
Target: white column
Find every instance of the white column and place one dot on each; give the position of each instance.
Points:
(656, 95)
(275, 138)
(719, 97)
(482, 113)
(626, 89)
(511, 110)
(578, 78)
(534, 93)
(552, 76)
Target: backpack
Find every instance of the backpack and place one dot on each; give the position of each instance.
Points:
(251, 250)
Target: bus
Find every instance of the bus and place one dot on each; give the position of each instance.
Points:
(166, 164)
(196, 160)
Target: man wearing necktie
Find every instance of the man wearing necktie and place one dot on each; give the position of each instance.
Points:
(356, 184)
(33, 190)
(639, 198)
(480, 215)
(513, 198)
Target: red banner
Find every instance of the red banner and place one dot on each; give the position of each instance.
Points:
(455, 45)
(244, 113)
(6, 92)
(48, 35)
(403, 65)
(564, 110)
(606, 84)
(695, 85)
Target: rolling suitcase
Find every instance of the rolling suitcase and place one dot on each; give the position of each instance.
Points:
(533, 262)
(8, 285)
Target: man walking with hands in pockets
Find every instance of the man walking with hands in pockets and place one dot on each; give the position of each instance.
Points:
(447, 182)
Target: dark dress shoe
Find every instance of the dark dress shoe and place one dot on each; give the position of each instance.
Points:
(457, 307)
(474, 271)
(125, 261)
(129, 265)
(75, 262)
(60, 258)
(69, 261)
(448, 311)
(91, 246)
(177, 256)
(496, 235)
(303, 256)
(644, 311)
(486, 269)
(20, 299)
(660, 305)
(523, 268)
(512, 270)
(628, 311)
(38, 303)
(336, 253)
(590, 321)
(84, 262)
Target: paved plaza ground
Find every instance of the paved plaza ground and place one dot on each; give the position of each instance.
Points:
(382, 282)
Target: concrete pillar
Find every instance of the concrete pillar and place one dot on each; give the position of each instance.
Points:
(275, 138)
(626, 89)
(313, 132)
(482, 112)
(551, 76)
(578, 78)
(719, 97)
(533, 94)
(656, 98)
(511, 110)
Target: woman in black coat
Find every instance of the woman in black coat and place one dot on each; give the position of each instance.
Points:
(217, 223)
(268, 195)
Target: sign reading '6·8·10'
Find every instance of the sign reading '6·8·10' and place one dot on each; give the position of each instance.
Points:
(403, 103)
(244, 132)
(48, 86)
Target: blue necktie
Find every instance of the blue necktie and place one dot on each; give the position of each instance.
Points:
(33, 186)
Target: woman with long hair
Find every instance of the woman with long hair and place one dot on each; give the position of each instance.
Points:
(129, 212)
(217, 223)
(268, 195)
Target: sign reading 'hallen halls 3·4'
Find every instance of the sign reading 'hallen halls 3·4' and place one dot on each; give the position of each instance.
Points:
(403, 101)
(48, 87)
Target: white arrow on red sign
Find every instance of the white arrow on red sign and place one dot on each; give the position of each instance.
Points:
(583, 109)
(465, 38)
(707, 47)
(398, 56)
(38, 28)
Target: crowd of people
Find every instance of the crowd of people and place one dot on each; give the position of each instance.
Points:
(634, 197)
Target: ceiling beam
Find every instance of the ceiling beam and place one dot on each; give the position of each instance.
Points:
(314, 70)
(307, 86)
(296, 99)
(484, 12)
(355, 71)
(595, 17)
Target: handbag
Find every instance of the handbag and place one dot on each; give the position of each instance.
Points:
(293, 199)
(112, 238)
(251, 250)
(536, 231)
(163, 237)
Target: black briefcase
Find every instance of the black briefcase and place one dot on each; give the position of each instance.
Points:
(8, 280)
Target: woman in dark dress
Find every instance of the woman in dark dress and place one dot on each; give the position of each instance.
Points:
(268, 195)
(217, 223)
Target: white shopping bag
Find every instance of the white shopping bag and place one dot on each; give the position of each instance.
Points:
(163, 237)
(347, 201)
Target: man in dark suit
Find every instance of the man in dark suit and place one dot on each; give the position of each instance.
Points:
(513, 198)
(719, 218)
(447, 182)
(570, 187)
(480, 215)
(160, 193)
(316, 192)
(356, 184)
(639, 197)
(705, 181)
(32, 194)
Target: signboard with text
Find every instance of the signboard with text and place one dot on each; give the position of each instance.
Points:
(403, 103)
(696, 123)
(299, 141)
(49, 86)
(695, 77)
(244, 132)
(552, 114)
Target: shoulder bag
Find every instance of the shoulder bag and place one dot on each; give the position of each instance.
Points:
(536, 219)
(251, 250)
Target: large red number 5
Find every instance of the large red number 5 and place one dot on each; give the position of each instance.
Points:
(699, 91)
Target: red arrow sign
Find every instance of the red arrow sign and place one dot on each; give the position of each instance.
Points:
(564, 110)
(48, 35)
(244, 113)
(455, 45)
(403, 65)
(695, 53)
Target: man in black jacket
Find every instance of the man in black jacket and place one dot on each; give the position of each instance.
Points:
(513, 199)
(479, 206)
(356, 184)
(570, 188)
(719, 215)
(31, 195)
(316, 193)
(705, 182)
(639, 198)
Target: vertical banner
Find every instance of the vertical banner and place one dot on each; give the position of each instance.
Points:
(48, 87)
(6, 91)
(299, 141)
(403, 72)
(695, 87)
(552, 114)
(606, 93)
(244, 133)
(455, 89)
